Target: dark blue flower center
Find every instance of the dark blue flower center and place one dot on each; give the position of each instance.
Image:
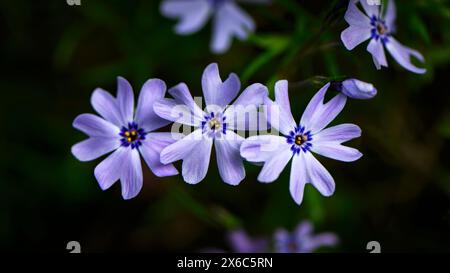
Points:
(214, 124)
(300, 140)
(379, 29)
(132, 135)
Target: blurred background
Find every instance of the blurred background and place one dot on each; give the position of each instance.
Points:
(54, 55)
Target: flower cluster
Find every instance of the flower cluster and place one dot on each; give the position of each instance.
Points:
(128, 133)
(301, 240)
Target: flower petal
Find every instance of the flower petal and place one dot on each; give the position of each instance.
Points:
(216, 92)
(125, 100)
(320, 240)
(230, 21)
(357, 89)
(95, 126)
(131, 177)
(305, 228)
(278, 118)
(169, 109)
(299, 178)
(192, 14)
(181, 148)
(338, 134)
(151, 150)
(354, 35)
(370, 7)
(109, 170)
(261, 148)
(355, 17)
(318, 115)
(375, 47)
(105, 104)
(152, 91)
(274, 165)
(195, 165)
(94, 147)
(229, 160)
(182, 96)
(336, 151)
(320, 178)
(390, 15)
(243, 114)
(402, 55)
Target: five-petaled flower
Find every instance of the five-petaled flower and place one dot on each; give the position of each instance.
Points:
(126, 134)
(229, 19)
(377, 27)
(298, 141)
(302, 240)
(216, 125)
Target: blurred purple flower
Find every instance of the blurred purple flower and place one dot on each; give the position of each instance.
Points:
(355, 89)
(240, 242)
(126, 134)
(228, 19)
(378, 28)
(215, 125)
(298, 142)
(302, 240)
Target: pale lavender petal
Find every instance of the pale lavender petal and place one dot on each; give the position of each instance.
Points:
(131, 177)
(305, 228)
(216, 92)
(109, 170)
(357, 89)
(320, 178)
(229, 160)
(105, 104)
(274, 165)
(354, 35)
(338, 134)
(230, 21)
(244, 114)
(320, 240)
(240, 242)
(181, 148)
(151, 149)
(94, 147)
(125, 100)
(282, 240)
(390, 15)
(370, 7)
(192, 14)
(169, 109)
(152, 91)
(278, 118)
(95, 126)
(299, 177)
(375, 47)
(182, 96)
(282, 97)
(355, 17)
(195, 164)
(261, 148)
(318, 115)
(336, 151)
(402, 55)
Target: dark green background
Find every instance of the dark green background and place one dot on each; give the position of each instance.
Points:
(54, 55)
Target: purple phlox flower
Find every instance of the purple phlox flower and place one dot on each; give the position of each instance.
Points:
(302, 240)
(126, 134)
(229, 20)
(299, 141)
(241, 242)
(355, 89)
(214, 125)
(377, 27)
